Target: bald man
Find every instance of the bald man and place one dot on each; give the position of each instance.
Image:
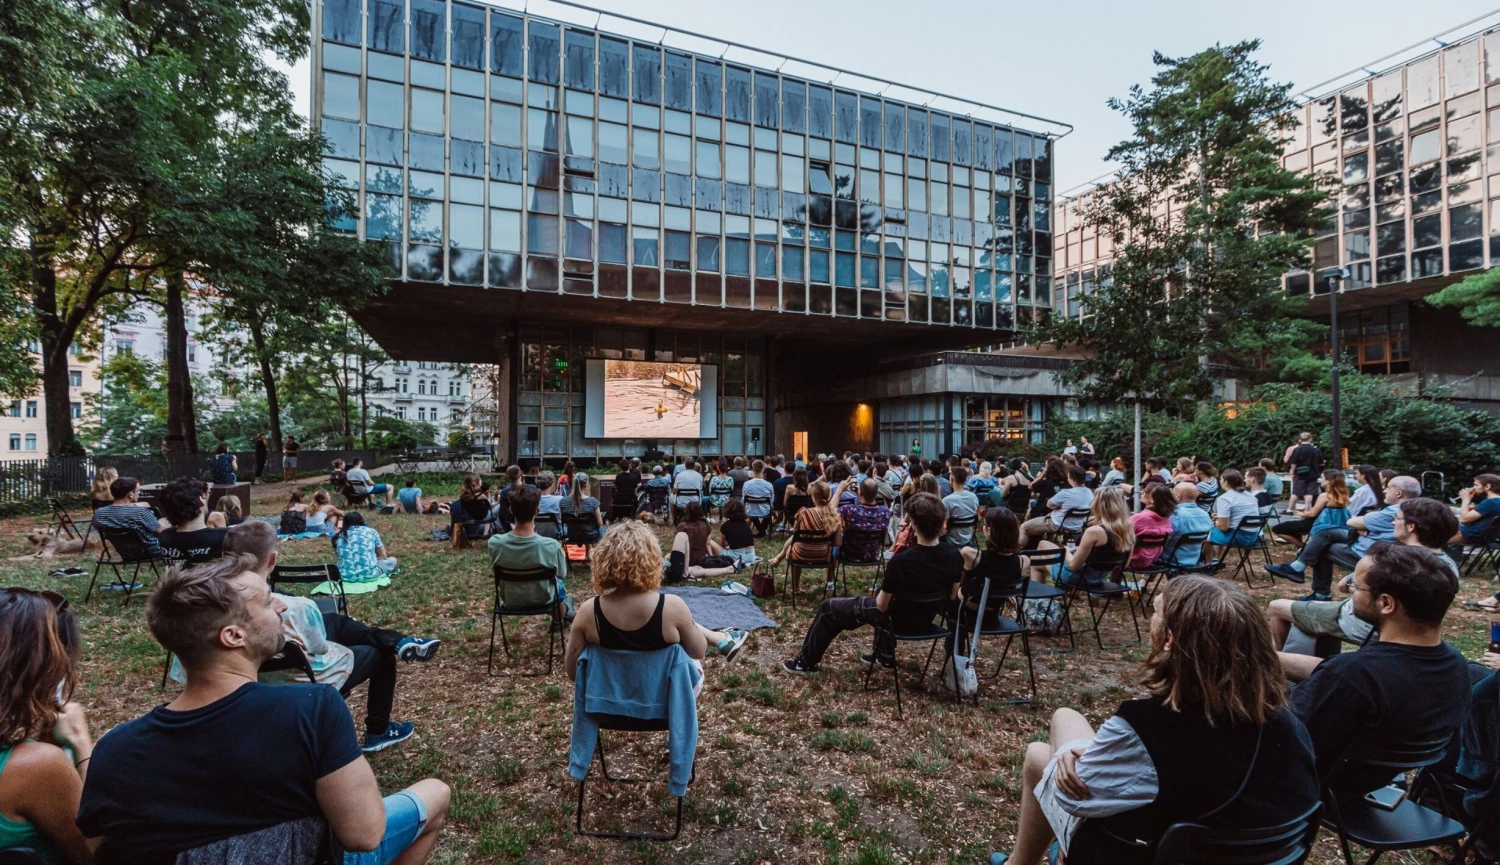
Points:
(1188, 517)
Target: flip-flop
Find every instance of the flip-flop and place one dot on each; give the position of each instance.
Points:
(1476, 605)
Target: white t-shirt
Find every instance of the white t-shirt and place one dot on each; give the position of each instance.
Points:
(1236, 505)
(1070, 498)
(361, 480)
(688, 479)
(759, 488)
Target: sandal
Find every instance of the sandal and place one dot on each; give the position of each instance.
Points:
(1481, 605)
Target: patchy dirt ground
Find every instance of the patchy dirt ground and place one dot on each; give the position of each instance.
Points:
(789, 769)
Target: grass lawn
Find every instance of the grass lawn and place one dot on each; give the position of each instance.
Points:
(790, 769)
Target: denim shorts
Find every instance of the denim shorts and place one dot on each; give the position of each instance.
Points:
(405, 815)
(1219, 537)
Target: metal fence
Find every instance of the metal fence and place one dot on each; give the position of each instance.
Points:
(33, 480)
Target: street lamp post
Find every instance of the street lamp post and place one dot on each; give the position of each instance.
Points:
(1335, 277)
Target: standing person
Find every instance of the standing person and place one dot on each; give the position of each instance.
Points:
(1085, 446)
(230, 756)
(289, 452)
(45, 746)
(262, 450)
(916, 452)
(1306, 461)
(1070, 448)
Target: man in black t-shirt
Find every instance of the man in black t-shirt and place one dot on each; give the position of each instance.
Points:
(1306, 461)
(231, 756)
(1409, 687)
(925, 568)
(626, 483)
(184, 503)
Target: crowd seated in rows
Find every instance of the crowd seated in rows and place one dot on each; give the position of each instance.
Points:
(231, 756)
(1106, 542)
(524, 549)
(1344, 547)
(1076, 496)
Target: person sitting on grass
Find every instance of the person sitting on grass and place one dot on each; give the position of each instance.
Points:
(629, 610)
(410, 497)
(184, 502)
(522, 549)
(1215, 742)
(342, 652)
(737, 533)
(818, 519)
(1419, 522)
(45, 746)
(322, 516)
(227, 512)
(695, 556)
(231, 756)
(361, 554)
(924, 568)
(128, 512)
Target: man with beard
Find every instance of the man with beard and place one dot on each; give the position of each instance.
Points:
(231, 757)
(1409, 687)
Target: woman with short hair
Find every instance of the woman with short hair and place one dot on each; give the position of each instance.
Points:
(45, 746)
(629, 610)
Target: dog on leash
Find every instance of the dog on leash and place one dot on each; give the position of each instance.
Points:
(46, 545)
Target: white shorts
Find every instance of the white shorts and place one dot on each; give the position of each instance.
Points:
(1063, 824)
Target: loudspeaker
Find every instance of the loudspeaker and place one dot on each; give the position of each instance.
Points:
(531, 433)
(755, 434)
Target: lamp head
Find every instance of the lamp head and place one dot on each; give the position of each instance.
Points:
(1338, 273)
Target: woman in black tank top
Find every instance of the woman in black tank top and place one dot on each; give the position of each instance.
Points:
(627, 574)
(999, 562)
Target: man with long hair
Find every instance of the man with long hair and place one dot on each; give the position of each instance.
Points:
(1214, 743)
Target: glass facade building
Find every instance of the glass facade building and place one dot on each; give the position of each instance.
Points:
(491, 148)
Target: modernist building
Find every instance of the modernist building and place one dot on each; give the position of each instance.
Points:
(1412, 153)
(550, 193)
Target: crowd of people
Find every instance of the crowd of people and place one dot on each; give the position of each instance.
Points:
(1247, 720)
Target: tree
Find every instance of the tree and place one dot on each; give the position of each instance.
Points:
(1476, 296)
(1206, 221)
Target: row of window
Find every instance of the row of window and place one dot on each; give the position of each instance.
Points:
(32, 406)
(15, 441)
(425, 387)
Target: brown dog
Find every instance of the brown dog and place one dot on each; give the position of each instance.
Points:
(44, 545)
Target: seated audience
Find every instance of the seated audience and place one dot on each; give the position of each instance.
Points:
(45, 746)
(1371, 492)
(962, 506)
(1232, 507)
(293, 515)
(1075, 497)
(630, 612)
(1184, 471)
(924, 568)
(695, 556)
(549, 503)
(1000, 562)
(796, 495)
(1116, 474)
(1330, 511)
(1419, 523)
(687, 485)
(522, 549)
(128, 513)
(866, 516)
(230, 756)
(982, 481)
(227, 512)
(322, 516)
(99, 494)
(763, 490)
(657, 481)
(1206, 477)
(1214, 743)
(184, 503)
(1153, 520)
(565, 479)
(1187, 518)
(627, 483)
(1327, 548)
(1156, 467)
(1109, 536)
(1016, 487)
(841, 484)
(1255, 485)
(361, 553)
(499, 513)
(1407, 688)
(818, 519)
(1478, 507)
(737, 533)
(362, 484)
(720, 487)
(1274, 484)
(225, 464)
(740, 474)
(342, 652)
(578, 503)
(472, 511)
(410, 497)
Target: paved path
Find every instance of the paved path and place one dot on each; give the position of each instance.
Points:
(279, 491)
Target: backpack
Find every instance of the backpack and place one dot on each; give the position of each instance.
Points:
(293, 523)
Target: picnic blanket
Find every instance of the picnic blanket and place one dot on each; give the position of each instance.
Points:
(281, 537)
(363, 587)
(717, 609)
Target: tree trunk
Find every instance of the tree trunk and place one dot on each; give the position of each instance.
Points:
(268, 381)
(55, 336)
(182, 437)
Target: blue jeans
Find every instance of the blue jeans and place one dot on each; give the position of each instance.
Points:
(405, 815)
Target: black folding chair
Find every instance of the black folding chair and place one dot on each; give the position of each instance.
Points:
(678, 495)
(1074, 522)
(1487, 550)
(939, 629)
(1169, 565)
(1246, 564)
(1094, 583)
(793, 505)
(129, 550)
(994, 624)
(752, 501)
(1195, 844)
(312, 575)
(1409, 826)
(63, 524)
(657, 498)
(1142, 543)
(791, 561)
(577, 530)
(553, 524)
(540, 579)
(962, 523)
(633, 725)
(857, 539)
(1053, 595)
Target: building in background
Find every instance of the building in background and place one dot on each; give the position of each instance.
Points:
(551, 192)
(1414, 153)
(23, 422)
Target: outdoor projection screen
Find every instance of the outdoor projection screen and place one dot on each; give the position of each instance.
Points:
(637, 399)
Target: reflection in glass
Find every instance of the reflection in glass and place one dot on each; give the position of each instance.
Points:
(678, 92)
(614, 67)
(941, 128)
(646, 62)
(820, 111)
(466, 118)
(545, 48)
(428, 29)
(467, 36)
(385, 20)
(340, 96)
(846, 126)
(793, 106)
(578, 61)
(541, 129)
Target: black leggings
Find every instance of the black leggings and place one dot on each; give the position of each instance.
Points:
(374, 661)
(1298, 528)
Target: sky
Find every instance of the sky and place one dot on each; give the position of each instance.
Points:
(1062, 59)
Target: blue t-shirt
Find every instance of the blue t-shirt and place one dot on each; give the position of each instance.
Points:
(1379, 526)
(171, 781)
(1487, 508)
(1188, 517)
(408, 496)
